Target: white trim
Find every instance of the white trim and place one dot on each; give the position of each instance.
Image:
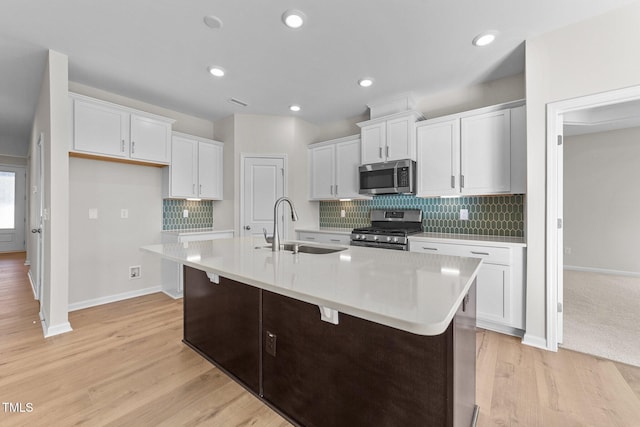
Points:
(113, 298)
(534, 341)
(33, 285)
(555, 110)
(50, 331)
(602, 271)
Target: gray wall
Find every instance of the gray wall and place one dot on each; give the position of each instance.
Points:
(601, 201)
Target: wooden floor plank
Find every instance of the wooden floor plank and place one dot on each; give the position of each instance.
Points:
(124, 364)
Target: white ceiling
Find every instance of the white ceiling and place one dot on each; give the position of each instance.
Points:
(606, 118)
(158, 51)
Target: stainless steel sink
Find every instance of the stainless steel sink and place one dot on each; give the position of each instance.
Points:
(308, 249)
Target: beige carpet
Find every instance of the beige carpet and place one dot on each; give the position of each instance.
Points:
(602, 315)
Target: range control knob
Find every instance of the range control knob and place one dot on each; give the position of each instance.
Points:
(375, 238)
(389, 238)
(395, 240)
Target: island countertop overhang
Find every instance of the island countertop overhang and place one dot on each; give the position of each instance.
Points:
(414, 292)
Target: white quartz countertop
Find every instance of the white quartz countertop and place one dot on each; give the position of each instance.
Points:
(468, 238)
(414, 292)
(327, 230)
(188, 231)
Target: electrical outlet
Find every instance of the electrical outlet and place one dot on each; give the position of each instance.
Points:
(343, 213)
(464, 214)
(270, 344)
(185, 213)
(135, 272)
(567, 250)
(124, 213)
(93, 213)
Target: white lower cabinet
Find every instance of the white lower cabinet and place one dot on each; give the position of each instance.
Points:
(500, 282)
(325, 237)
(172, 280)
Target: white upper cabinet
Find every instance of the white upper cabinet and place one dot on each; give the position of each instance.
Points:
(389, 138)
(485, 153)
(333, 169)
(196, 168)
(108, 130)
(438, 158)
(473, 153)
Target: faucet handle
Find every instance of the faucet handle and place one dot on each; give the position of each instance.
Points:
(267, 238)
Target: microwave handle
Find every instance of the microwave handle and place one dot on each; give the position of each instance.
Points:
(395, 176)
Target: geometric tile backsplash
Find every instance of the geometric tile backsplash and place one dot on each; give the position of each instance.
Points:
(200, 214)
(488, 215)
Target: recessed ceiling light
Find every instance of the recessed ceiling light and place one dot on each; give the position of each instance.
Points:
(213, 22)
(216, 71)
(294, 108)
(484, 39)
(293, 18)
(366, 82)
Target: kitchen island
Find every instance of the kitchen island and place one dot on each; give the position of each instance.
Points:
(360, 336)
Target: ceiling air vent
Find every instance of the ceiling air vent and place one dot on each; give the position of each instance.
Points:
(238, 102)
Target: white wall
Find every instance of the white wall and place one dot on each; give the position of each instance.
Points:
(592, 56)
(601, 203)
(260, 134)
(441, 104)
(101, 250)
(52, 118)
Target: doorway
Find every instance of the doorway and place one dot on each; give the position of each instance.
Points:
(12, 208)
(263, 181)
(558, 114)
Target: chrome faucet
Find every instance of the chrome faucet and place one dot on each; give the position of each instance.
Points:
(275, 244)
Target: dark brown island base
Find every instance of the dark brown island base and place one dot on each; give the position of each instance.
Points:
(316, 373)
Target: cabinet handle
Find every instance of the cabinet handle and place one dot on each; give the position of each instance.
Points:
(309, 238)
(387, 150)
(133, 147)
(380, 152)
(453, 181)
(480, 253)
(193, 191)
(200, 188)
(122, 146)
(331, 190)
(465, 302)
(461, 181)
(336, 189)
(335, 240)
(429, 249)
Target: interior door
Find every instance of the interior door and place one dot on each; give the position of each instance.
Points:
(263, 184)
(560, 247)
(12, 208)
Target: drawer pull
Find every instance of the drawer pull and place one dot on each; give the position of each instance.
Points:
(309, 238)
(335, 240)
(429, 249)
(480, 253)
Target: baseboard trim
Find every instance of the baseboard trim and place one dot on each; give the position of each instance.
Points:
(601, 271)
(33, 285)
(50, 331)
(507, 330)
(113, 298)
(534, 341)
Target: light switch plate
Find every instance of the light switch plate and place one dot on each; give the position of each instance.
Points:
(464, 214)
(93, 213)
(124, 213)
(185, 213)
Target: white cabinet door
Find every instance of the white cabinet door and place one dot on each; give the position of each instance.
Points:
(400, 139)
(322, 163)
(373, 143)
(347, 160)
(493, 298)
(150, 139)
(100, 129)
(485, 160)
(183, 169)
(210, 171)
(438, 158)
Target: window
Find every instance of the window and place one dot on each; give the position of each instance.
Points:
(7, 199)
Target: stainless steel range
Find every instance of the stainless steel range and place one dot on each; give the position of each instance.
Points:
(389, 229)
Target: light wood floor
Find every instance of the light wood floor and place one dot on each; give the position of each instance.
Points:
(124, 364)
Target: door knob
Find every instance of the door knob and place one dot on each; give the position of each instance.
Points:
(36, 230)
(247, 227)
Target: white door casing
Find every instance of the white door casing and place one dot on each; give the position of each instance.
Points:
(262, 183)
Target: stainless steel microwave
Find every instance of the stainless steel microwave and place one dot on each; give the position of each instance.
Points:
(397, 177)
